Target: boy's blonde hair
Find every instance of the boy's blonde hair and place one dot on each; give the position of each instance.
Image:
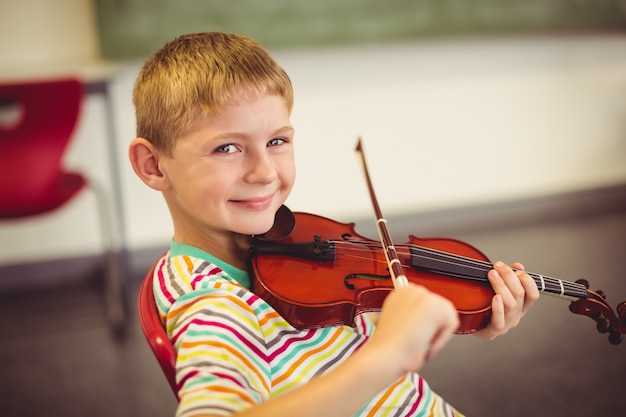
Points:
(197, 74)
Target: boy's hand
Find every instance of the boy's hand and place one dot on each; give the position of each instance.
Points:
(515, 291)
(414, 324)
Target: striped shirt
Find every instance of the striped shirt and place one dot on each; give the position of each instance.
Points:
(235, 351)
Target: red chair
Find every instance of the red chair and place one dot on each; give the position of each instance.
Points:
(37, 121)
(154, 332)
(32, 145)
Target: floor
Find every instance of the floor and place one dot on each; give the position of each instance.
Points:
(59, 358)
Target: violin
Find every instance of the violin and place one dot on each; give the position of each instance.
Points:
(318, 272)
(324, 273)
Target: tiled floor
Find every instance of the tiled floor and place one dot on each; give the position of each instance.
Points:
(59, 359)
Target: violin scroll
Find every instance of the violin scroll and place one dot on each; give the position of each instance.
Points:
(596, 307)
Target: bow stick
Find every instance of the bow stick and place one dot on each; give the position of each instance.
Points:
(396, 271)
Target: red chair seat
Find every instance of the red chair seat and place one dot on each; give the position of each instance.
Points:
(30, 204)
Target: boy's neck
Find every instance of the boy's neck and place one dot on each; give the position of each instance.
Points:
(233, 250)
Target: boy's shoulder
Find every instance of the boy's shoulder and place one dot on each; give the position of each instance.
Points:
(182, 276)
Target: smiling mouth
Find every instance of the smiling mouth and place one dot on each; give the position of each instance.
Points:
(259, 203)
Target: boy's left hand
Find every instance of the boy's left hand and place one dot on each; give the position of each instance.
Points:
(515, 292)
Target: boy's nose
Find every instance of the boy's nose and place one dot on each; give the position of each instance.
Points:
(261, 170)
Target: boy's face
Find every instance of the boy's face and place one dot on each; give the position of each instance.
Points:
(231, 172)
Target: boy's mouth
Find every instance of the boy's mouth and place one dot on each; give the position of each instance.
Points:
(255, 203)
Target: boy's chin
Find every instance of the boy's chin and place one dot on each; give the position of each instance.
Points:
(259, 228)
(279, 228)
(282, 225)
(272, 225)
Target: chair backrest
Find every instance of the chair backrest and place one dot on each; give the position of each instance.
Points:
(154, 332)
(37, 122)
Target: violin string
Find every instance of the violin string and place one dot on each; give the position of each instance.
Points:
(552, 285)
(481, 268)
(462, 260)
(544, 283)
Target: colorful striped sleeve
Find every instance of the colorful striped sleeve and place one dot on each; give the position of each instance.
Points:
(222, 363)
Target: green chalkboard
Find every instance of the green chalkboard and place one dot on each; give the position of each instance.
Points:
(136, 28)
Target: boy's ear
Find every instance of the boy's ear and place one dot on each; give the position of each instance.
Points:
(145, 161)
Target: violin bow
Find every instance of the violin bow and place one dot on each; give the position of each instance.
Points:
(396, 271)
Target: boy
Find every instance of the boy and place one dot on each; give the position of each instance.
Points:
(214, 136)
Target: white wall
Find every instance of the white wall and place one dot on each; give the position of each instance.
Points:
(451, 123)
(40, 32)
(444, 123)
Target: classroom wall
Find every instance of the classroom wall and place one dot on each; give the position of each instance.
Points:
(445, 123)
(41, 32)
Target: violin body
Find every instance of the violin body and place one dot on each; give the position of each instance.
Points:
(324, 273)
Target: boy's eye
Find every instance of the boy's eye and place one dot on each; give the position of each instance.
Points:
(230, 148)
(276, 142)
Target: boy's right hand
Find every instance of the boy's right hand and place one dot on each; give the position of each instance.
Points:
(414, 324)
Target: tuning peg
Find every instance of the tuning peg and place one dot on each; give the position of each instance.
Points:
(601, 294)
(616, 337)
(602, 324)
(621, 311)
